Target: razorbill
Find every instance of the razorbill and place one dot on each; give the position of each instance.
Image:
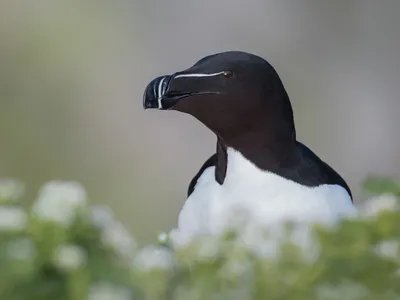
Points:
(258, 162)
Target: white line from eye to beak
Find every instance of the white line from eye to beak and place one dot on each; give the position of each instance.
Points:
(199, 75)
(159, 92)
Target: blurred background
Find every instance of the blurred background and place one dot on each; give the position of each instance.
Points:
(72, 75)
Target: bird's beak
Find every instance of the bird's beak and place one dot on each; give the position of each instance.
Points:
(165, 91)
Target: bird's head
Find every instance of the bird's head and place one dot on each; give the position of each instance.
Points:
(232, 93)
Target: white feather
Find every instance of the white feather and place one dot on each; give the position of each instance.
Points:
(262, 197)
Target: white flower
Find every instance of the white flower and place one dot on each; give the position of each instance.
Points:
(376, 205)
(236, 266)
(388, 249)
(69, 257)
(207, 248)
(10, 190)
(260, 241)
(12, 218)
(153, 257)
(21, 249)
(179, 238)
(59, 202)
(346, 290)
(108, 291)
(162, 237)
(102, 216)
(116, 236)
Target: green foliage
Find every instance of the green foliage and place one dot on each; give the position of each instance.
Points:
(376, 186)
(64, 248)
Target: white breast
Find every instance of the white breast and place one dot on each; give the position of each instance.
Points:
(265, 197)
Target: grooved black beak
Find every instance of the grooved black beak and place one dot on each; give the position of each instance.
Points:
(155, 91)
(159, 94)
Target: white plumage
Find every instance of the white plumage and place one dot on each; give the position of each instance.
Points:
(261, 197)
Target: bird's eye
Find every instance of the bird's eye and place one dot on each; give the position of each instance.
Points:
(227, 74)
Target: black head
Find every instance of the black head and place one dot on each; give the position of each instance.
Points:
(232, 93)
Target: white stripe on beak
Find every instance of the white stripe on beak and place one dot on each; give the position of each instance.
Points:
(159, 92)
(199, 75)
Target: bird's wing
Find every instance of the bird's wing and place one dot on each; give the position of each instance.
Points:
(208, 163)
(329, 175)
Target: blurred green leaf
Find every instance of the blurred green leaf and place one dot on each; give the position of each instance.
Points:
(378, 186)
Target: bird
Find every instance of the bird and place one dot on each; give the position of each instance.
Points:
(258, 164)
